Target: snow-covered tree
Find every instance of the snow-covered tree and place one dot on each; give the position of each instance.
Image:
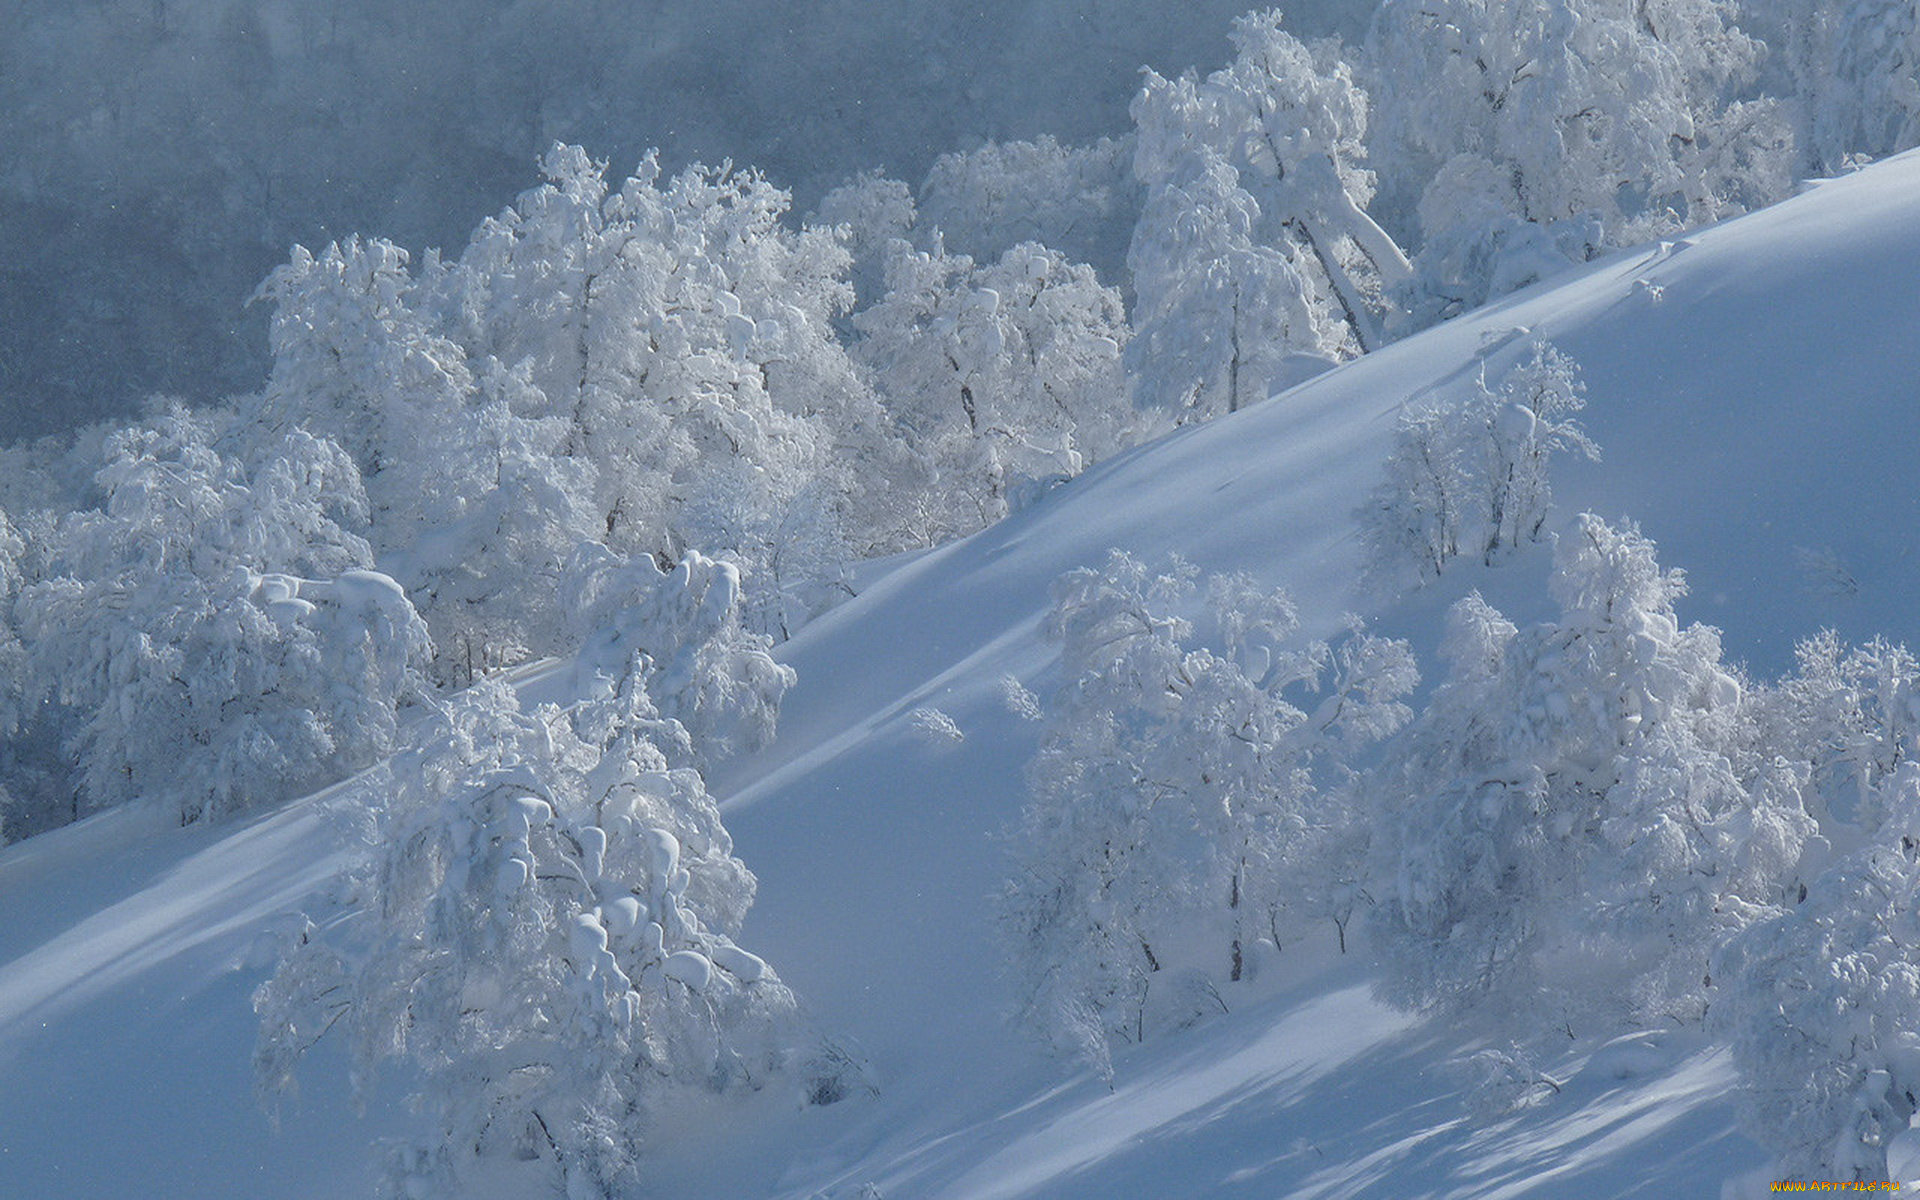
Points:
(1180, 800)
(1078, 201)
(216, 630)
(1848, 69)
(711, 674)
(1003, 375)
(679, 327)
(544, 936)
(1468, 475)
(652, 365)
(1580, 816)
(473, 506)
(1290, 122)
(1597, 124)
(1822, 1006)
(1219, 317)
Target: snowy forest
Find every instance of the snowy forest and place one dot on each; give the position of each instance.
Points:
(836, 601)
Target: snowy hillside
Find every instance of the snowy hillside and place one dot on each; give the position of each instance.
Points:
(1747, 393)
(1749, 387)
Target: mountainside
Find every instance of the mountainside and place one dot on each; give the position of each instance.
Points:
(1748, 387)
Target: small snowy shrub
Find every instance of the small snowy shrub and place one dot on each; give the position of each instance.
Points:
(1477, 249)
(1503, 1081)
(934, 727)
(1018, 700)
(1470, 476)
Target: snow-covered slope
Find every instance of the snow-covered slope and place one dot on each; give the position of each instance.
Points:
(1750, 390)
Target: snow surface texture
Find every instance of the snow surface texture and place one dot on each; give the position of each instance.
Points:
(1749, 387)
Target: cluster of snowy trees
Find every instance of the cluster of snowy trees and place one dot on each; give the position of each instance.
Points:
(615, 379)
(210, 636)
(1181, 815)
(542, 929)
(1586, 809)
(1599, 824)
(162, 156)
(1593, 824)
(1338, 189)
(659, 366)
(651, 421)
(669, 364)
(1292, 209)
(1546, 131)
(1823, 1002)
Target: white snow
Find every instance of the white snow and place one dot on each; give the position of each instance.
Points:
(689, 967)
(1764, 404)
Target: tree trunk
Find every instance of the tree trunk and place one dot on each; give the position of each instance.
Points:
(1233, 364)
(1353, 306)
(1233, 903)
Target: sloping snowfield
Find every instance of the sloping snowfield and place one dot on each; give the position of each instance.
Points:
(1751, 388)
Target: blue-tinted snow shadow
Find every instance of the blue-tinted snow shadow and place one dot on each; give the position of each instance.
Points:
(1280, 1100)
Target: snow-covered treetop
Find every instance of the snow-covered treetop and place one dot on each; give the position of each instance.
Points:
(174, 505)
(1076, 200)
(1606, 576)
(1290, 122)
(702, 667)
